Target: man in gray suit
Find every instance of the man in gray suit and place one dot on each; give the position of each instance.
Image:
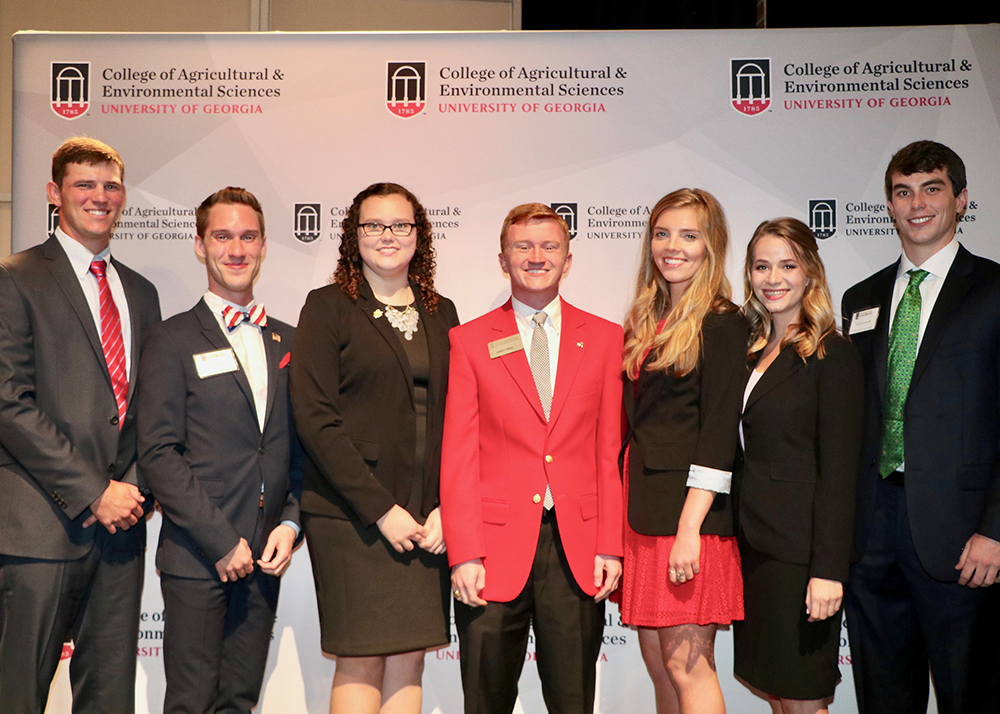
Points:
(216, 441)
(72, 524)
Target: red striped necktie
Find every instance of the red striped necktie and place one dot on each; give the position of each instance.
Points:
(111, 338)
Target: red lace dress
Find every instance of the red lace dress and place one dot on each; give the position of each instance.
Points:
(647, 598)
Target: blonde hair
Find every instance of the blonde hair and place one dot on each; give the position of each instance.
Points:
(678, 344)
(520, 215)
(816, 320)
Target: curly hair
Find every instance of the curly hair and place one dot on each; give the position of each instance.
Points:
(816, 320)
(349, 274)
(678, 345)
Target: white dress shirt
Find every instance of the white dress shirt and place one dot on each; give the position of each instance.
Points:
(553, 329)
(247, 341)
(80, 259)
(937, 267)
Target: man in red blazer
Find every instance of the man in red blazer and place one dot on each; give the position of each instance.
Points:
(531, 500)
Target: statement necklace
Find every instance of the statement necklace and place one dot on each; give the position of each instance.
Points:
(403, 320)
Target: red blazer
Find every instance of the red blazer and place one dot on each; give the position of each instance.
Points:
(498, 450)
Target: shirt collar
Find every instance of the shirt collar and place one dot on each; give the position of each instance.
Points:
(79, 256)
(216, 304)
(937, 265)
(526, 312)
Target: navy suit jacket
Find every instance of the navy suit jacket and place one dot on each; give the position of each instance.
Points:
(951, 433)
(217, 475)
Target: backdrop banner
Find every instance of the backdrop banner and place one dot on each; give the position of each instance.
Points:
(599, 125)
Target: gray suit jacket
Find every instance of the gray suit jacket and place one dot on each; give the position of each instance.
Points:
(59, 438)
(215, 473)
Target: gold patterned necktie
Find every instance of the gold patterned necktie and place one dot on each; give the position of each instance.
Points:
(540, 370)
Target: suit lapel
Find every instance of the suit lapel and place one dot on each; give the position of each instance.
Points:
(516, 363)
(786, 364)
(437, 351)
(573, 345)
(367, 303)
(132, 298)
(272, 354)
(956, 286)
(212, 332)
(882, 296)
(62, 272)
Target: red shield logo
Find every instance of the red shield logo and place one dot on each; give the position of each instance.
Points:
(406, 86)
(70, 94)
(751, 85)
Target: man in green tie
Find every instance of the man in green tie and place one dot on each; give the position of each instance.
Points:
(927, 539)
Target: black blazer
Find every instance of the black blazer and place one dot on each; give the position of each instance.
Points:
(352, 390)
(678, 421)
(217, 475)
(795, 487)
(59, 438)
(951, 432)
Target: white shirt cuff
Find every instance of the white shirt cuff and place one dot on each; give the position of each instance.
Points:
(294, 526)
(707, 479)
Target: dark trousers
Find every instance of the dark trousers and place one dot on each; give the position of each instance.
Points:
(900, 621)
(215, 641)
(95, 601)
(568, 626)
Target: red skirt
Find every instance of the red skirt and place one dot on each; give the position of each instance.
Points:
(647, 598)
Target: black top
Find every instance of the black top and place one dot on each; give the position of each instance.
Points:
(678, 421)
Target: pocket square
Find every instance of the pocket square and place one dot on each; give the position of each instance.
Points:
(285, 360)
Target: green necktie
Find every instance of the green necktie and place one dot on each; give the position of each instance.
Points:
(902, 355)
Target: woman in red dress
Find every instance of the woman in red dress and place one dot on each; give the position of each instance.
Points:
(685, 364)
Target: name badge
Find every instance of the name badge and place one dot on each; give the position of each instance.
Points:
(210, 364)
(504, 346)
(863, 320)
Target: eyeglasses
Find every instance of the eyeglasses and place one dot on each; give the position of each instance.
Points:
(400, 230)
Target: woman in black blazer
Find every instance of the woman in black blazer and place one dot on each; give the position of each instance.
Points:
(685, 351)
(369, 372)
(795, 488)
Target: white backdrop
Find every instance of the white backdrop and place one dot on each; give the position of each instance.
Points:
(796, 122)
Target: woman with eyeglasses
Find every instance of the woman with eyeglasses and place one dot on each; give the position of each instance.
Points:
(369, 372)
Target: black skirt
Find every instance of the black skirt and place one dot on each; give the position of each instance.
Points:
(373, 600)
(776, 648)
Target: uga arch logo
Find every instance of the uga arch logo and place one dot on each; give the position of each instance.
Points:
(750, 81)
(406, 85)
(70, 91)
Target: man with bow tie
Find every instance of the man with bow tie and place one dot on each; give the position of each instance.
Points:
(217, 446)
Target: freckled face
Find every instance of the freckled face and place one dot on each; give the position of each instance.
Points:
(536, 258)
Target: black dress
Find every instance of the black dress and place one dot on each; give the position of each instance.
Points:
(373, 600)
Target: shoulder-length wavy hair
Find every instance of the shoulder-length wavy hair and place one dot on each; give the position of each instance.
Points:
(816, 320)
(678, 345)
(349, 273)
